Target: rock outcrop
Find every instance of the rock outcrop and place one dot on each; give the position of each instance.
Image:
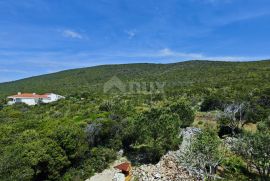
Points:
(167, 169)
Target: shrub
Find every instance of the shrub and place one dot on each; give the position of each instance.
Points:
(211, 103)
(204, 153)
(264, 126)
(157, 130)
(235, 167)
(255, 149)
(184, 112)
(33, 158)
(70, 138)
(100, 158)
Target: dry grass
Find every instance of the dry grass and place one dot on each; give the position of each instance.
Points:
(208, 119)
(250, 127)
(203, 120)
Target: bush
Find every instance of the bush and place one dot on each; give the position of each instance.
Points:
(204, 153)
(70, 138)
(157, 130)
(74, 174)
(211, 103)
(235, 167)
(33, 158)
(184, 112)
(255, 149)
(100, 158)
(264, 126)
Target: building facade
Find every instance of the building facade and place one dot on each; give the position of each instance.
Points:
(33, 98)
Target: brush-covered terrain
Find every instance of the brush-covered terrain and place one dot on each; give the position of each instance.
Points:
(78, 136)
(190, 75)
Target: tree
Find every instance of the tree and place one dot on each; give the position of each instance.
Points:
(184, 112)
(234, 116)
(255, 149)
(32, 158)
(157, 131)
(71, 138)
(211, 103)
(204, 153)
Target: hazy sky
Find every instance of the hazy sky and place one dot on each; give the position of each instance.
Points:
(44, 36)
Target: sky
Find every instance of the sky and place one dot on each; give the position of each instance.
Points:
(44, 36)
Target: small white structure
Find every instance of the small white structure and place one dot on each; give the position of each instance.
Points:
(51, 97)
(33, 98)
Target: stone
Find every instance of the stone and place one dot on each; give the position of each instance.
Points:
(167, 169)
(157, 175)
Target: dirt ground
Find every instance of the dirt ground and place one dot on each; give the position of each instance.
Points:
(107, 175)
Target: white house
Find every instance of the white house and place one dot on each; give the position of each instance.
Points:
(33, 98)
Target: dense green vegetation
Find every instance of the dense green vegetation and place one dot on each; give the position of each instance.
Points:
(193, 77)
(76, 137)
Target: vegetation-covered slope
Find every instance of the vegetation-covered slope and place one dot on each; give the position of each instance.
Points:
(178, 76)
(74, 138)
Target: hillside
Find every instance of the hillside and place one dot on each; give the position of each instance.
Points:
(178, 76)
(77, 137)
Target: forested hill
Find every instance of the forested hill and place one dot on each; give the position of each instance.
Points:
(178, 76)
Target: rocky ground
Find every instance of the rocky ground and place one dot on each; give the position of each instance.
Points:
(167, 169)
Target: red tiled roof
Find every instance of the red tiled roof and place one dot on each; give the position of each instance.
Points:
(124, 167)
(28, 95)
